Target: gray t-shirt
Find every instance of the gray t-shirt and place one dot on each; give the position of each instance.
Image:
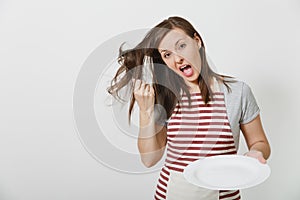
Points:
(241, 106)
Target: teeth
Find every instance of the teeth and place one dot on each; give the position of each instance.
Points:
(182, 68)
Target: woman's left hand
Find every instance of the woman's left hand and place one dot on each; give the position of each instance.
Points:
(256, 154)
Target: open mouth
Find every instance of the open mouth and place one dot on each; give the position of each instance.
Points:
(186, 70)
(185, 67)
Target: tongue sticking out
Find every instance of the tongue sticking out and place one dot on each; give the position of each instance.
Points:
(188, 71)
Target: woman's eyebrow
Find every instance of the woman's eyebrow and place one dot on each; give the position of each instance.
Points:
(178, 41)
(161, 51)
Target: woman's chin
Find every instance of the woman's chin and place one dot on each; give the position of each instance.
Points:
(191, 80)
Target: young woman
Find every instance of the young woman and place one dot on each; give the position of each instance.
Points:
(203, 111)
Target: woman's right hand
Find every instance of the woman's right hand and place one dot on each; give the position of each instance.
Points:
(144, 95)
(151, 140)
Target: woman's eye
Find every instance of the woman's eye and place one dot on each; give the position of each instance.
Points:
(181, 46)
(166, 55)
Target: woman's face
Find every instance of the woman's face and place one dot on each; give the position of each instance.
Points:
(181, 54)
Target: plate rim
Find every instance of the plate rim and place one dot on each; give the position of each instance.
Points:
(192, 166)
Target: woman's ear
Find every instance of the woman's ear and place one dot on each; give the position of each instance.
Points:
(198, 40)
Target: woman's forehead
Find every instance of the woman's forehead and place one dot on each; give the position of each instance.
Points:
(171, 38)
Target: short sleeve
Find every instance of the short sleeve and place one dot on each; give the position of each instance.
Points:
(250, 109)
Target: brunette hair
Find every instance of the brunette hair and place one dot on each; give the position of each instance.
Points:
(168, 86)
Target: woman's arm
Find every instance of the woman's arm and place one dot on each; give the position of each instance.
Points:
(152, 138)
(256, 140)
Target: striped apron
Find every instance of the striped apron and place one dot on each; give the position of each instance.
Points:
(195, 132)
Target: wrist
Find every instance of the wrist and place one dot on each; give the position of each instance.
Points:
(147, 112)
(146, 118)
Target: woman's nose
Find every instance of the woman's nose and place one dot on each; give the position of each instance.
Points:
(177, 58)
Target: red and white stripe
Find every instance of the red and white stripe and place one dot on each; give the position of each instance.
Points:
(196, 131)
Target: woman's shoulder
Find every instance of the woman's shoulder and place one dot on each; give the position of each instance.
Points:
(236, 86)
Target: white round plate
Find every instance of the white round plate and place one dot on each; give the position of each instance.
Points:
(227, 172)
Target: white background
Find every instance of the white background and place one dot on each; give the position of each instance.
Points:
(43, 45)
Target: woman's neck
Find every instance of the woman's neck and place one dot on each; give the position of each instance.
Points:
(193, 86)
